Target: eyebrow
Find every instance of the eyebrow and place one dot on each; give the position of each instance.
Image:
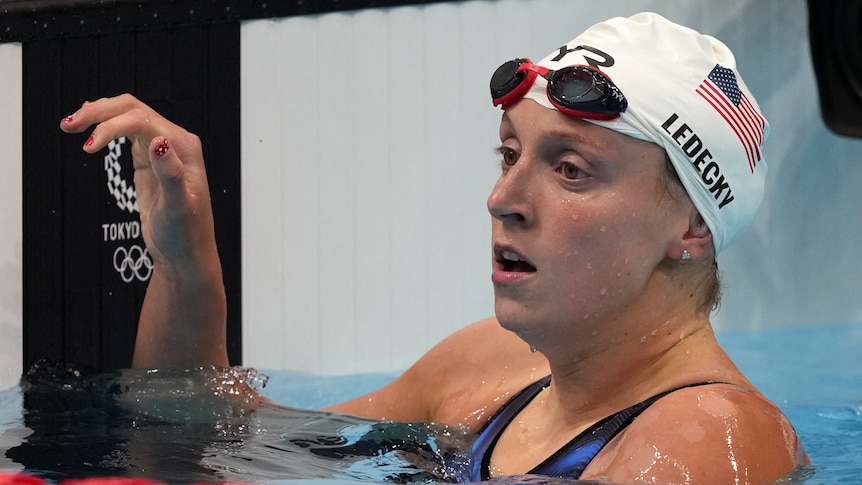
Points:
(561, 134)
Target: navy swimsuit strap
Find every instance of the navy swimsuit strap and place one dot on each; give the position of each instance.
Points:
(570, 460)
(490, 434)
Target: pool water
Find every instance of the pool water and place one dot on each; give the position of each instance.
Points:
(73, 428)
(203, 425)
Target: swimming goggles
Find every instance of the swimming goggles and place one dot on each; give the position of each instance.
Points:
(577, 90)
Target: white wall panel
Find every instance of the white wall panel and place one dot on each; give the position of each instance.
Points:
(11, 235)
(368, 153)
(376, 218)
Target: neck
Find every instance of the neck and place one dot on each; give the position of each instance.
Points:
(662, 340)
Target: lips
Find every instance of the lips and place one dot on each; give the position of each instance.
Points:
(510, 261)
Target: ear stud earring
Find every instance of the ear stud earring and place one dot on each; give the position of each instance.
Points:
(685, 257)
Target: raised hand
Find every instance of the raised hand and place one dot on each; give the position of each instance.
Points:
(170, 179)
(183, 318)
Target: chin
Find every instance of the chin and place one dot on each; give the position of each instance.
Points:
(514, 318)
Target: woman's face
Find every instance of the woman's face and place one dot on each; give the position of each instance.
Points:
(582, 219)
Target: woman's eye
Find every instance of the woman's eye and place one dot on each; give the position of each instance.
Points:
(510, 157)
(571, 171)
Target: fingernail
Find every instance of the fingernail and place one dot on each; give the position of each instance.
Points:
(68, 119)
(163, 147)
(89, 141)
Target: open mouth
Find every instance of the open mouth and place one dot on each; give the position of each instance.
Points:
(511, 261)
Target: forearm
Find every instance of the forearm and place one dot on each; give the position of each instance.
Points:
(183, 318)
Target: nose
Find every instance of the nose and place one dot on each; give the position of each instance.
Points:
(509, 201)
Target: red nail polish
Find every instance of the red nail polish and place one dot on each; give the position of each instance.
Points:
(68, 119)
(89, 141)
(163, 147)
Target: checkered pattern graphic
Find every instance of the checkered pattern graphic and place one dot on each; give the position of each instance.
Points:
(124, 192)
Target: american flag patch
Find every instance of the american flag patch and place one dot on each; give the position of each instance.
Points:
(722, 92)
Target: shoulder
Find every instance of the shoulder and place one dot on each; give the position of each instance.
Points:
(457, 380)
(718, 433)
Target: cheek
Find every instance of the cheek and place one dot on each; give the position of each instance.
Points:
(610, 244)
(606, 227)
(591, 251)
(641, 225)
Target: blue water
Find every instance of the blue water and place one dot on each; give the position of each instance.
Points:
(74, 429)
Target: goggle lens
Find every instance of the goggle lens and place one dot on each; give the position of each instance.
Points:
(510, 82)
(576, 90)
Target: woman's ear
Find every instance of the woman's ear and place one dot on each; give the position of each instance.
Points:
(694, 242)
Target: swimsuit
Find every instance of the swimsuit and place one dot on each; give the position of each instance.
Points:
(570, 460)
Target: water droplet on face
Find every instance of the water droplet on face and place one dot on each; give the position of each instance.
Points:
(574, 217)
(603, 291)
(603, 229)
(643, 339)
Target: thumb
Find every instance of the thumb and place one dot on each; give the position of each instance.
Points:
(167, 168)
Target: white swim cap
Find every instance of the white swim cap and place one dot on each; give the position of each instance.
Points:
(685, 95)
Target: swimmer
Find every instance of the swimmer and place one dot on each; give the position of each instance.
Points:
(630, 157)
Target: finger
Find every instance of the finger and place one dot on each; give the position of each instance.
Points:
(93, 112)
(168, 169)
(135, 124)
(72, 123)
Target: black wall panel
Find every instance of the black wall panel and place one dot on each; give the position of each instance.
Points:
(835, 33)
(85, 264)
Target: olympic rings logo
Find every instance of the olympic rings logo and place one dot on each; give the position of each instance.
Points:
(133, 263)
